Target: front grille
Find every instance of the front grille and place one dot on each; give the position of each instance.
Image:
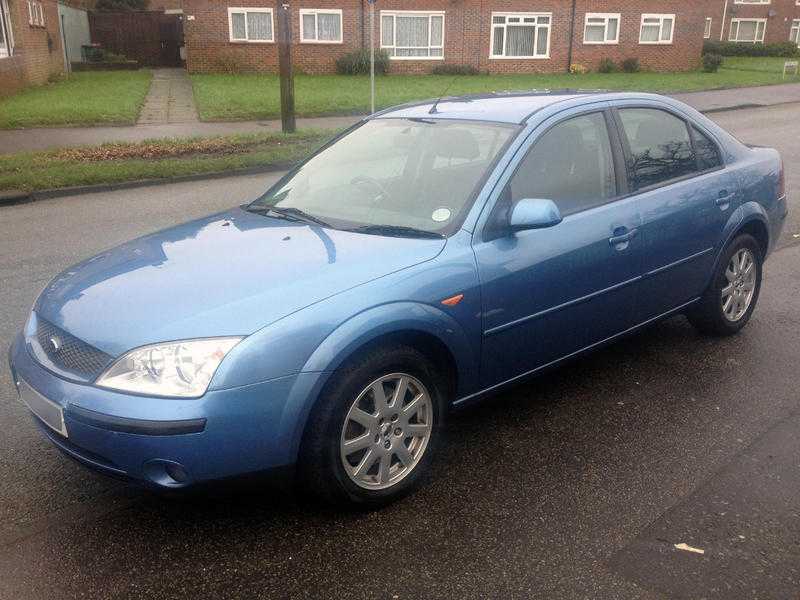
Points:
(69, 353)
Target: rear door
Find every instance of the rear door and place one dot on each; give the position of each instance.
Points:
(686, 196)
(548, 293)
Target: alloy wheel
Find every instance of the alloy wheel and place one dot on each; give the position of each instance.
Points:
(738, 293)
(386, 431)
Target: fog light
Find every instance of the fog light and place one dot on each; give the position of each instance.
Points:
(166, 473)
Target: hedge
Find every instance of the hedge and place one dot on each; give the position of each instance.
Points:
(787, 49)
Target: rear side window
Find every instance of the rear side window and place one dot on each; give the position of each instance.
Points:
(571, 164)
(707, 152)
(660, 147)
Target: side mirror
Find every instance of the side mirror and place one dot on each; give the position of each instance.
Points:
(534, 213)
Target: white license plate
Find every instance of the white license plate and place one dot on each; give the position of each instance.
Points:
(48, 411)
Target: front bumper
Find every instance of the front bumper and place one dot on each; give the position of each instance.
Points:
(172, 442)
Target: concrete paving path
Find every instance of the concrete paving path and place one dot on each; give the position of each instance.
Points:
(170, 99)
(175, 83)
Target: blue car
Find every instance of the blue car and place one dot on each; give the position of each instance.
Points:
(432, 254)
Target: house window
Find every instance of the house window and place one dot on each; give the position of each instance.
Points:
(520, 35)
(250, 25)
(747, 30)
(707, 30)
(6, 39)
(794, 34)
(656, 29)
(601, 28)
(409, 35)
(320, 26)
(35, 13)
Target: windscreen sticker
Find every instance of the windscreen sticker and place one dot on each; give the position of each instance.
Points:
(441, 214)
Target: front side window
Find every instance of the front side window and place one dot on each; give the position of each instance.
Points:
(413, 35)
(659, 144)
(748, 30)
(520, 35)
(250, 25)
(656, 29)
(571, 164)
(708, 156)
(414, 173)
(707, 30)
(6, 39)
(794, 33)
(601, 28)
(321, 26)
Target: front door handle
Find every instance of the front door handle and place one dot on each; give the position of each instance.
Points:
(623, 237)
(723, 199)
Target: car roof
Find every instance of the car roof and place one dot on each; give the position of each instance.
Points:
(502, 107)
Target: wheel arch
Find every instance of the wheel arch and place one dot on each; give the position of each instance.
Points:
(748, 218)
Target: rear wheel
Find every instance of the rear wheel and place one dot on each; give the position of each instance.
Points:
(729, 301)
(372, 437)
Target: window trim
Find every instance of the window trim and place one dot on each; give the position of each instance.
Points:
(244, 10)
(795, 26)
(607, 17)
(661, 17)
(493, 56)
(756, 2)
(741, 20)
(5, 24)
(315, 12)
(708, 26)
(411, 13)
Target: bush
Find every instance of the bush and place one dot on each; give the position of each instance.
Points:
(786, 49)
(454, 70)
(711, 63)
(578, 69)
(607, 66)
(357, 63)
(631, 65)
(229, 61)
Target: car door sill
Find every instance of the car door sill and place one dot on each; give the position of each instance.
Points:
(496, 387)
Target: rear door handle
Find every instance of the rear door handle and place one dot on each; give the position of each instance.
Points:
(724, 198)
(620, 242)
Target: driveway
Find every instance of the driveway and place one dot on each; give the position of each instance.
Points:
(574, 485)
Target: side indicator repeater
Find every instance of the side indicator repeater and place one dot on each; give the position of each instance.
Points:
(453, 300)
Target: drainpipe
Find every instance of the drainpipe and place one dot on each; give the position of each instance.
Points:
(724, 14)
(571, 35)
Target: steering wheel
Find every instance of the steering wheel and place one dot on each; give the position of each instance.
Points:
(366, 179)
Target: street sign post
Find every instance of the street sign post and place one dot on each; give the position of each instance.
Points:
(372, 55)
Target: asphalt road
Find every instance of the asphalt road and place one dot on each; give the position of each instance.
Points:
(577, 484)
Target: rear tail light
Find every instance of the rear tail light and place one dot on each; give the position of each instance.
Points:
(781, 182)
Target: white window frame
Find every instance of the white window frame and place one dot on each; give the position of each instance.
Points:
(708, 26)
(754, 41)
(315, 12)
(412, 13)
(523, 15)
(754, 2)
(794, 31)
(5, 22)
(606, 17)
(249, 9)
(661, 18)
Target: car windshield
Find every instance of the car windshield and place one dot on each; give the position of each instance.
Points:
(394, 176)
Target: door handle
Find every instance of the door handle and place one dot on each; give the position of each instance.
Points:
(723, 199)
(620, 242)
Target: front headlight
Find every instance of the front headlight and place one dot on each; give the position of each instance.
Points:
(181, 369)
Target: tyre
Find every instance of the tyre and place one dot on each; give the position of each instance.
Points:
(371, 438)
(729, 301)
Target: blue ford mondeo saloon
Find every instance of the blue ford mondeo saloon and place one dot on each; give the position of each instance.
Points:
(427, 257)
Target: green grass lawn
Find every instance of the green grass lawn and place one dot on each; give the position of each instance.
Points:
(103, 97)
(157, 159)
(223, 97)
(767, 64)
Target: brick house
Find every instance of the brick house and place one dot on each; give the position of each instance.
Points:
(31, 50)
(513, 36)
(767, 21)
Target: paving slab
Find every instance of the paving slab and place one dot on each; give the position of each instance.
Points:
(169, 100)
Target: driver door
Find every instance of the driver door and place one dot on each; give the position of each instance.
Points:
(548, 293)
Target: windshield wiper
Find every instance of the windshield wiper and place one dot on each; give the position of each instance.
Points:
(396, 230)
(289, 213)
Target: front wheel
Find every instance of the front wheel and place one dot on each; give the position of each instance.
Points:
(371, 438)
(729, 301)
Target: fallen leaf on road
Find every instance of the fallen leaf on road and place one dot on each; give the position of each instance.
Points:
(689, 548)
